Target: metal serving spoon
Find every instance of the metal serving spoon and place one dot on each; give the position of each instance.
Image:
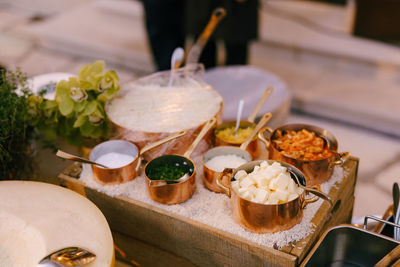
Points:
(312, 190)
(396, 211)
(68, 257)
(65, 155)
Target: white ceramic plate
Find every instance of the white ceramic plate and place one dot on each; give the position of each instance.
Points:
(49, 81)
(247, 83)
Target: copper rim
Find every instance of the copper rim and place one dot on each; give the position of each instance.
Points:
(128, 172)
(265, 218)
(170, 192)
(315, 171)
(209, 175)
(252, 146)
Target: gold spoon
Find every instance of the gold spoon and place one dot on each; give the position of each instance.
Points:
(69, 257)
(65, 155)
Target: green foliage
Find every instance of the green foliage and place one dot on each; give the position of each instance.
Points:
(78, 108)
(14, 125)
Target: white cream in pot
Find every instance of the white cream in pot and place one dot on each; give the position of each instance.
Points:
(219, 163)
(115, 160)
(155, 108)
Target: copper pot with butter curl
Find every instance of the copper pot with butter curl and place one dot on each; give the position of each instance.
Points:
(171, 190)
(209, 175)
(266, 218)
(316, 171)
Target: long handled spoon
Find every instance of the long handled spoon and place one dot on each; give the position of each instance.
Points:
(70, 256)
(65, 155)
(260, 103)
(176, 60)
(194, 54)
(313, 191)
(239, 114)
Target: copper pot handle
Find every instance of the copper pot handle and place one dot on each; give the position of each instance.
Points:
(342, 159)
(261, 135)
(225, 172)
(312, 199)
(161, 141)
(264, 119)
(209, 124)
(156, 144)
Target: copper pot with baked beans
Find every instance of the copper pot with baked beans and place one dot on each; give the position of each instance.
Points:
(311, 149)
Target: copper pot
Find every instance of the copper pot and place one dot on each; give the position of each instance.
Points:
(110, 176)
(265, 218)
(210, 176)
(316, 171)
(143, 138)
(176, 191)
(252, 146)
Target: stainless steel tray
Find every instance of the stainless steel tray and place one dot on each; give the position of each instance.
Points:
(347, 245)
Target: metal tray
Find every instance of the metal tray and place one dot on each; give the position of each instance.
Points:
(347, 245)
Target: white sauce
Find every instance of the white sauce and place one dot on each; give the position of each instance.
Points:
(219, 163)
(153, 108)
(115, 160)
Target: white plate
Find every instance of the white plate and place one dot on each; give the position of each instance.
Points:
(247, 83)
(49, 81)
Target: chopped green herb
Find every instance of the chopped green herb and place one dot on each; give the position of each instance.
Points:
(166, 171)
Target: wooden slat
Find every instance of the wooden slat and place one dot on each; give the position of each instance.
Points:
(187, 242)
(338, 195)
(139, 253)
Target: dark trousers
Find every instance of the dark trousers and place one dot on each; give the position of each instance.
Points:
(164, 24)
(236, 54)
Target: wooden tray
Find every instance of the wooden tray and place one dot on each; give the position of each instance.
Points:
(149, 236)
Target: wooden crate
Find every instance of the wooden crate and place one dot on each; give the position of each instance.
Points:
(150, 236)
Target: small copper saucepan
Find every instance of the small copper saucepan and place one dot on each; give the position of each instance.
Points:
(265, 218)
(222, 131)
(210, 175)
(169, 190)
(129, 171)
(315, 171)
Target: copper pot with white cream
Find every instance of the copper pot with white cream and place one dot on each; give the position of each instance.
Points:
(122, 158)
(311, 149)
(258, 207)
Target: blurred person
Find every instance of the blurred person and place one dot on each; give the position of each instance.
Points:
(164, 21)
(169, 22)
(236, 30)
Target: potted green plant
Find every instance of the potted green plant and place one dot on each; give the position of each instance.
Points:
(15, 129)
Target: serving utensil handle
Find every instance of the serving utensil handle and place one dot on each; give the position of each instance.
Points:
(194, 54)
(65, 155)
(260, 103)
(210, 123)
(161, 141)
(264, 119)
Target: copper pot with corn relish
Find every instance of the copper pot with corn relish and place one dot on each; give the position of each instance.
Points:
(311, 149)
